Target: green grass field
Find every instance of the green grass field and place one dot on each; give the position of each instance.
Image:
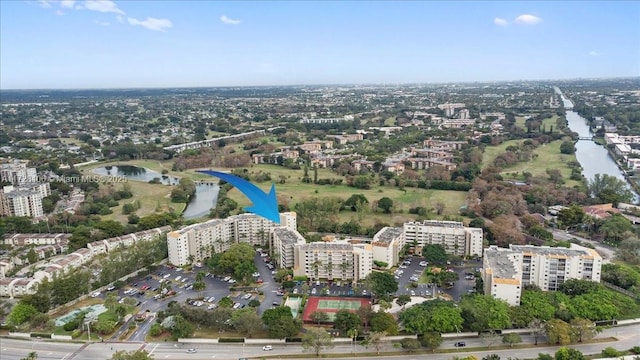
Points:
(547, 123)
(548, 157)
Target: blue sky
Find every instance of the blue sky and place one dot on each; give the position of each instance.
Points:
(106, 44)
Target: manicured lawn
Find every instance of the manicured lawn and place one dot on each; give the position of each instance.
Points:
(547, 123)
(548, 157)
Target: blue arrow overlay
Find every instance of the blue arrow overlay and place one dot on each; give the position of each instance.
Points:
(265, 205)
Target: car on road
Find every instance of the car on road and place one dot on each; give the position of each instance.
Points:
(460, 344)
(191, 351)
(95, 294)
(256, 274)
(267, 348)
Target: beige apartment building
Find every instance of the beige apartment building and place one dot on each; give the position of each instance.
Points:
(452, 235)
(507, 271)
(199, 241)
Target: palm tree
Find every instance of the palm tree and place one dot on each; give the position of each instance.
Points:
(191, 258)
(199, 286)
(32, 356)
(316, 268)
(344, 266)
(328, 267)
(200, 276)
(353, 334)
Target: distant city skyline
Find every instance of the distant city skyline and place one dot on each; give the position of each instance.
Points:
(152, 44)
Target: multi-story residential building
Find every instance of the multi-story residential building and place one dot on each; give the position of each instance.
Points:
(452, 235)
(25, 200)
(507, 271)
(283, 243)
(333, 260)
(16, 172)
(386, 245)
(35, 239)
(199, 241)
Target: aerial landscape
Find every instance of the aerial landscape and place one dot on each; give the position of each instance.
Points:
(292, 180)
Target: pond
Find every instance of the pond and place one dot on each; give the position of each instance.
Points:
(204, 199)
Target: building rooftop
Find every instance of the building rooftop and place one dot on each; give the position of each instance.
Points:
(500, 263)
(288, 236)
(387, 234)
(438, 223)
(328, 246)
(575, 250)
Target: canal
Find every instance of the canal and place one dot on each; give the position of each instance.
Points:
(593, 158)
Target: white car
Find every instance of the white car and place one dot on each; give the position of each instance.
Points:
(95, 294)
(191, 351)
(256, 274)
(178, 278)
(231, 281)
(267, 348)
(111, 288)
(246, 296)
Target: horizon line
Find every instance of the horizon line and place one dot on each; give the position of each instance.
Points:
(326, 84)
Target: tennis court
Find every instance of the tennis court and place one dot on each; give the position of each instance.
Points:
(331, 305)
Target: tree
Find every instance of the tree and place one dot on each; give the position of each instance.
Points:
(432, 316)
(403, 300)
(609, 189)
(583, 329)
(558, 332)
(431, 340)
(199, 286)
(615, 227)
(132, 355)
(537, 328)
(381, 284)
(511, 339)
(316, 339)
(386, 204)
(383, 322)
(319, 317)
(565, 353)
(435, 254)
(254, 303)
(284, 328)
(375, 339)
(354, 200)
(492, 357)
(409, 344)
(21, 313)
(567, 147)
(270, 316)
(181, 328)
(225, 302)
(32, 356)
(490, 338)
(32, 257)
(346, 320)
(484, 312)
(246, 321)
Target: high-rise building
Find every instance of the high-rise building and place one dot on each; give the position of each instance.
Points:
(199, 241)
(334, 260)
(507, 271)
(16, 172)
(452, 235)
(25, 200)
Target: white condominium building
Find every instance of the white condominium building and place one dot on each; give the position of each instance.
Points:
(452, 235)
(17, 172)
(199, 241)
(333, 260)
(25, 200)
(387, 244)
(283, 243)
(506, 271)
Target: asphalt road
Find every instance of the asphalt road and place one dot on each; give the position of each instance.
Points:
(607, 252)
(14, 349)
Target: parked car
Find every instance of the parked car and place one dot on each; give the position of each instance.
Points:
(111, 287)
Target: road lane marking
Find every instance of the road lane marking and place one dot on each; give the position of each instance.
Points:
(154, 349)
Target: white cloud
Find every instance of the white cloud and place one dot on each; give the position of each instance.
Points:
(500, 22)
(527, 19)
(106, 6)
(227, 20)
(67, 3)
(152, 23)
(59, 12)
(102, 23)
(44, 3)
(594, 53)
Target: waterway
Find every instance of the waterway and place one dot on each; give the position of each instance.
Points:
(594, 158)
(201, 202)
